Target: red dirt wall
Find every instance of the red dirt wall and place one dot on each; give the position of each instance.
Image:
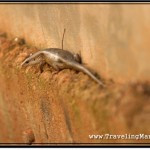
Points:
(65, 107)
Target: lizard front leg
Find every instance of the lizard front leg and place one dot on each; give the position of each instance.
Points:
(57, 67)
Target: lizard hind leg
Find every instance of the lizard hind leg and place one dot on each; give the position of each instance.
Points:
(77, 58)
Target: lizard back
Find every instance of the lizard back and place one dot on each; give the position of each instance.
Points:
(64, 54)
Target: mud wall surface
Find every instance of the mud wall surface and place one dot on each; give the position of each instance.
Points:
(68, 106)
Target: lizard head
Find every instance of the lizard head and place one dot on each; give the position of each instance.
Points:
(31, 61)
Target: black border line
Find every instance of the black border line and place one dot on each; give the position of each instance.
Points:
(77, 144)
(79, 1)
(75, 2)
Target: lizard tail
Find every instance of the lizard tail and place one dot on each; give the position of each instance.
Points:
(89, 73)
(79, 67)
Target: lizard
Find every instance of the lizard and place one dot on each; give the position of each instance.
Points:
(59, 59)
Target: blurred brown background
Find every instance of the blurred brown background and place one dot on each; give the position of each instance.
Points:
(113, 39)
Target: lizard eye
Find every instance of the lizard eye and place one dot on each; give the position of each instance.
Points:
(27, 62)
